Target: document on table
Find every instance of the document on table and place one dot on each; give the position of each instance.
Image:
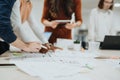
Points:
(60, 65)
(56, 54)
(52, 70)
(75, 54)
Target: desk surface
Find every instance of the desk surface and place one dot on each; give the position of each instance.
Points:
(13, 73)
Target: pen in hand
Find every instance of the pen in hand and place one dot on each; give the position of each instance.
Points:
(43, 49)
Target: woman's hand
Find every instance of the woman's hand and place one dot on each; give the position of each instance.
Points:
(43, 50)
(53, 24)
(27, 47)
(35, 45)
(70, 25)
(52, 47)
(32, 47)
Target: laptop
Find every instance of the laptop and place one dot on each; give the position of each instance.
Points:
(111, 42)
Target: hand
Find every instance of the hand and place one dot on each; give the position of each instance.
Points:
(43, 50)
(32, 47)
(53, 24)
(52, 47)
(35, 45)
(27, 47)
(70, 25)
(47, 45)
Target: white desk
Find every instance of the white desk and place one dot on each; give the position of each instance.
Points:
(13, 73)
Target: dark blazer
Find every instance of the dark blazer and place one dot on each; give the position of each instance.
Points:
(6, 32)
(3, 47)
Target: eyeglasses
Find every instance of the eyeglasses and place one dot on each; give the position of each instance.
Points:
(108, 2)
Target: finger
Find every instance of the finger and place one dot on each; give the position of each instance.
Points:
(58, 48)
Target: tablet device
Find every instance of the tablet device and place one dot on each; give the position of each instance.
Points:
(63, 21)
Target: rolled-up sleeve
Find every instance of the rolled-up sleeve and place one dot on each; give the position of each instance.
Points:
(6, 32)
(78, 9)
(45, 14)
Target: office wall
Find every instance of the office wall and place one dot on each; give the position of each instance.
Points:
(94, 3)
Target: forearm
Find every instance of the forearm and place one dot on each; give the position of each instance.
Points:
(38, 30)
(46, 23)
(78, 23)
(27, 47)
(19, 44)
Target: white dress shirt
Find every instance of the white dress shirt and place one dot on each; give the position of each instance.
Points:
(101, 24)
(28, 31)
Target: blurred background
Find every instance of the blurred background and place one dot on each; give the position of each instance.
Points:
(87, 5)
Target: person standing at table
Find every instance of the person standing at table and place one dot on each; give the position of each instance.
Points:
(60, 10)
(101, 21)
(6, 31)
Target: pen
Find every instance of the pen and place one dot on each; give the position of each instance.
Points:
(7, 64)
(72, 20)
(43, 47)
